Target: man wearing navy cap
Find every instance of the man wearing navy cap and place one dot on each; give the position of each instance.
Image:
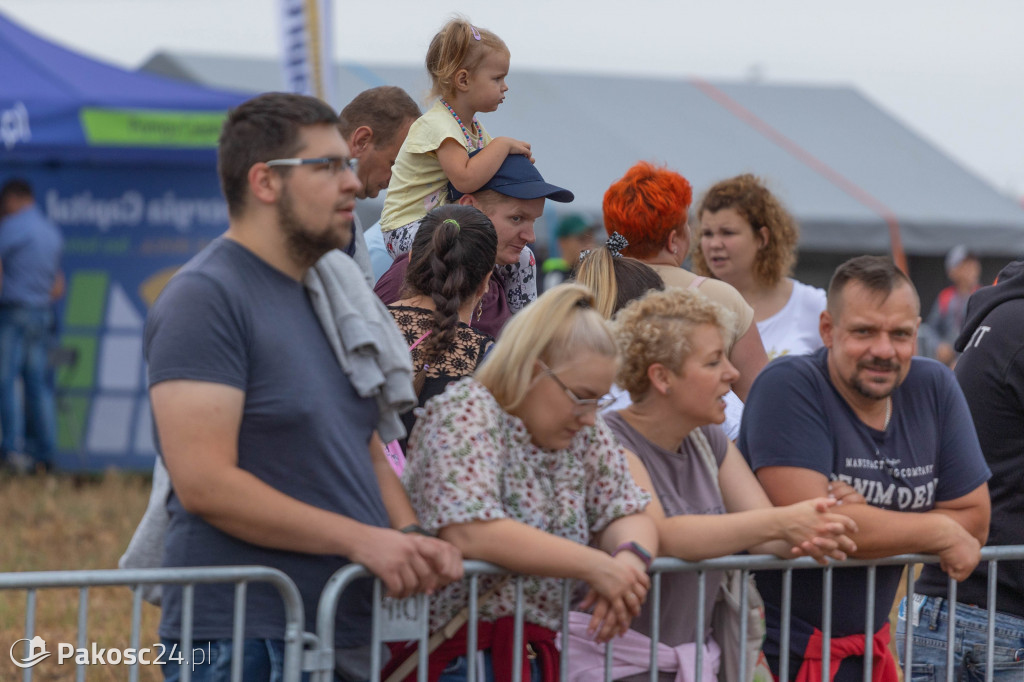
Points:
(513, 199)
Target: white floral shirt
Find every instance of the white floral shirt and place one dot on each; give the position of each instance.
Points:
(469, 460)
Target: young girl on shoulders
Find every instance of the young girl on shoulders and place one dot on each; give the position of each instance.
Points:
(467, 67)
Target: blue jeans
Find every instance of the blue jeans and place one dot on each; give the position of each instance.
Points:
(263, 660)
(25, 341)
(970, 642)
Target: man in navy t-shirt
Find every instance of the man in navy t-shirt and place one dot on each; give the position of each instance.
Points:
(897, 429)
(271, 452)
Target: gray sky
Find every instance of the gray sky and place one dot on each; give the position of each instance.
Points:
(952, 71)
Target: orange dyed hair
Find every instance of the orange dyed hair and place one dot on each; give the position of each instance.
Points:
(645, 206)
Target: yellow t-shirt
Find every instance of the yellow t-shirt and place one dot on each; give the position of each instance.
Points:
(718, 291)
(418, 183)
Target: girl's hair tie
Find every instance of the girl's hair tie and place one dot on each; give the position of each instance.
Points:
(454, 222)
(476, 33)
(616, 243)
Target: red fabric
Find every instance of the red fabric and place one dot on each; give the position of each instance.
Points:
(498, 637)
(945, 297)
(852, 645)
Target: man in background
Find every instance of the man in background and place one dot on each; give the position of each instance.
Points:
(30, 280)
(574, 235)
(374, 124)
(946, 318)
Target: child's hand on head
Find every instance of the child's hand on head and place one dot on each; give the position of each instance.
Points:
(516, 146)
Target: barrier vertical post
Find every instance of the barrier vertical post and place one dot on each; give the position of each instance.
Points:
(83, 619)
(869, 624)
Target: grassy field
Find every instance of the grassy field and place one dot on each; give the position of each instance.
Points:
(61, 523)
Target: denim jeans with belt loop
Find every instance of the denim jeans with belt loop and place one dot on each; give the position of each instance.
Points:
(930, 629)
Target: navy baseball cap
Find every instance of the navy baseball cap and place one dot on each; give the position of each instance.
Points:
(520, 179)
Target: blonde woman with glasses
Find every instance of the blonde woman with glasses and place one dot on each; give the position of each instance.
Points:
(515, 466)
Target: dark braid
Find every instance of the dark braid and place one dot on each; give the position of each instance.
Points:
(454, 248)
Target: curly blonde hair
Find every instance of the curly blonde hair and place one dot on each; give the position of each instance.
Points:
(748, 196)
(657, 329)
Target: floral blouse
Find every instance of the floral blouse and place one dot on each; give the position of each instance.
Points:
(472, 461)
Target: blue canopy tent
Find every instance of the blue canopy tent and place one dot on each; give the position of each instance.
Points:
(125, 163)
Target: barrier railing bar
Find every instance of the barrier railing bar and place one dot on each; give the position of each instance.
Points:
(951, 630)
(471, 633)
(376, 630)
(30, 629)
(187, 615)
(702, 592)
(655, 596)
(608, 653)
(136, 636)
(826, 623)
(563, 656)
(83, 619)
(423, 654)
(787, 603)
(908, 636)
(993, 570)
(517, 637)
(744, 594)
(238, 632)
(869, 624)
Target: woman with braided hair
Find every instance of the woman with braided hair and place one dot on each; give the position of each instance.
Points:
(451, 261)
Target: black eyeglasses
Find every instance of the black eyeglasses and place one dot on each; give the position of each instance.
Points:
(581, 406)
(334, 164)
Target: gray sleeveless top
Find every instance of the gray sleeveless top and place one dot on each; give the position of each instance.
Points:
(684, 486)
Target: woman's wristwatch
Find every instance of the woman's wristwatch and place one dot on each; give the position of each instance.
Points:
(418, 529)
(636, 549)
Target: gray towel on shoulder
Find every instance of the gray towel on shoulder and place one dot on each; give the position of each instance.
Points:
(364, 337)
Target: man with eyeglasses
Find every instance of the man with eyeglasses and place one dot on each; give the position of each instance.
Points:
(272, 453)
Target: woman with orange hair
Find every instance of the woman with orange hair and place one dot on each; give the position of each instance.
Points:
(649, 207)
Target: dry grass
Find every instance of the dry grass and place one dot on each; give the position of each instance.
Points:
(60, 523)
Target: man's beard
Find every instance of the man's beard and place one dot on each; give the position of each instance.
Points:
(862, 387)
(304, 246)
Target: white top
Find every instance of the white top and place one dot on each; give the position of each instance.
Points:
(794, 329)
(791, 331)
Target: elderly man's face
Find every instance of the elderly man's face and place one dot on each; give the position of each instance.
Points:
(870, 341)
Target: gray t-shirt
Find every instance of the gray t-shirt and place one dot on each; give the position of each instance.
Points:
(229, 318)
(684, 486)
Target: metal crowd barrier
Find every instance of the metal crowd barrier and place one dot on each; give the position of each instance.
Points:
(407, 620)
(188, 577)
